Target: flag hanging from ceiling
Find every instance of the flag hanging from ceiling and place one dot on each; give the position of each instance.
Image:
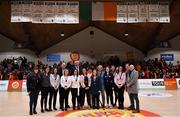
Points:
(71, 12)
(49, 12)
(85, 10)
(143, 12)
(132, 12)
(104, 11)
(16, 11)
(154, 12)
(122, 12)
(164, 12)
(37, 11)
(26, 11)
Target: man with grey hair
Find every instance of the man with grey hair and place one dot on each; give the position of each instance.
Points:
(101, 76)
(132, 87)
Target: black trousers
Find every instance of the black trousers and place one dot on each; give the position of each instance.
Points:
(95, 101)
(121, 97)
(109, 94)
(51, 93)
(33, 96)
(44, 94)
(116, 94)
(83, 93)
(61, 93)
(54, 97)
(134, 97)
(65, 98)
(75, 97)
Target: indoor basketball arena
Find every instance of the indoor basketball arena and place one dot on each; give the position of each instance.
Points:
(90, 58)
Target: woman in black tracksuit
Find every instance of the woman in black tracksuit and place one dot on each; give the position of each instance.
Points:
(33, 88)
(108, 83)
(45, 90)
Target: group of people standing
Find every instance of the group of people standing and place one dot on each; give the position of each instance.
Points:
(83, 82)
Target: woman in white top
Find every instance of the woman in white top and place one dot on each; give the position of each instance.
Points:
(55, 82)
(85, 88)
(65, 84)
(75, 89)
(119, 80)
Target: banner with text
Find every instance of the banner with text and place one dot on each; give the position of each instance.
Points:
(170, 83)
(65, 12)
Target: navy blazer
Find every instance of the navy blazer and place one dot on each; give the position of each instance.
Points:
(108, 80)
(95, 85)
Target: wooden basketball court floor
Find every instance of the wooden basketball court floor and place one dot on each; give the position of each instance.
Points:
(16, 104)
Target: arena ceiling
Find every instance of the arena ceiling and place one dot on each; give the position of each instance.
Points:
(39, 37)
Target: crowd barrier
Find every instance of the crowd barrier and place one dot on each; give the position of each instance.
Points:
(167, 83)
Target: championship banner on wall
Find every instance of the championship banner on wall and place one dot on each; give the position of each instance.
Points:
(15, 85)
(154, 12)
(49, 12)
(16, 11)
(67, 12)
(60, 12)
(132, 12)
(170, 83)
(37, 11)
(122, 12)
(72, 13)
(26, 11)
(143, 12)
(164, 12)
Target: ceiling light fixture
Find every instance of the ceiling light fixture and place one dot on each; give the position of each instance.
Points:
(126, 34)
(62, 34)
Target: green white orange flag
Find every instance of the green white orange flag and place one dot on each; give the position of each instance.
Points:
(104, 11)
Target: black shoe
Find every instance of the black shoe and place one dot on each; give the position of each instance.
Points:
(42, 110)
(65, 109)
(30, 113)
(74, 108)
(62, 109)
(55, 108)
(121, 108)
(35, 112)
(46, 109)
(131, 108)
(136, 111)
(50, 109)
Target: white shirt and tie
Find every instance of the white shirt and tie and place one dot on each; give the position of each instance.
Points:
(76, 82)
(66, 81)
(55, 81)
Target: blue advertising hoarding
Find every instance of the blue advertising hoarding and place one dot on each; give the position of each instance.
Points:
(53, 58)
(167, 57)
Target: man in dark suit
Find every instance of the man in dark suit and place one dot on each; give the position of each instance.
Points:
(132, 88)
(78, 67)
